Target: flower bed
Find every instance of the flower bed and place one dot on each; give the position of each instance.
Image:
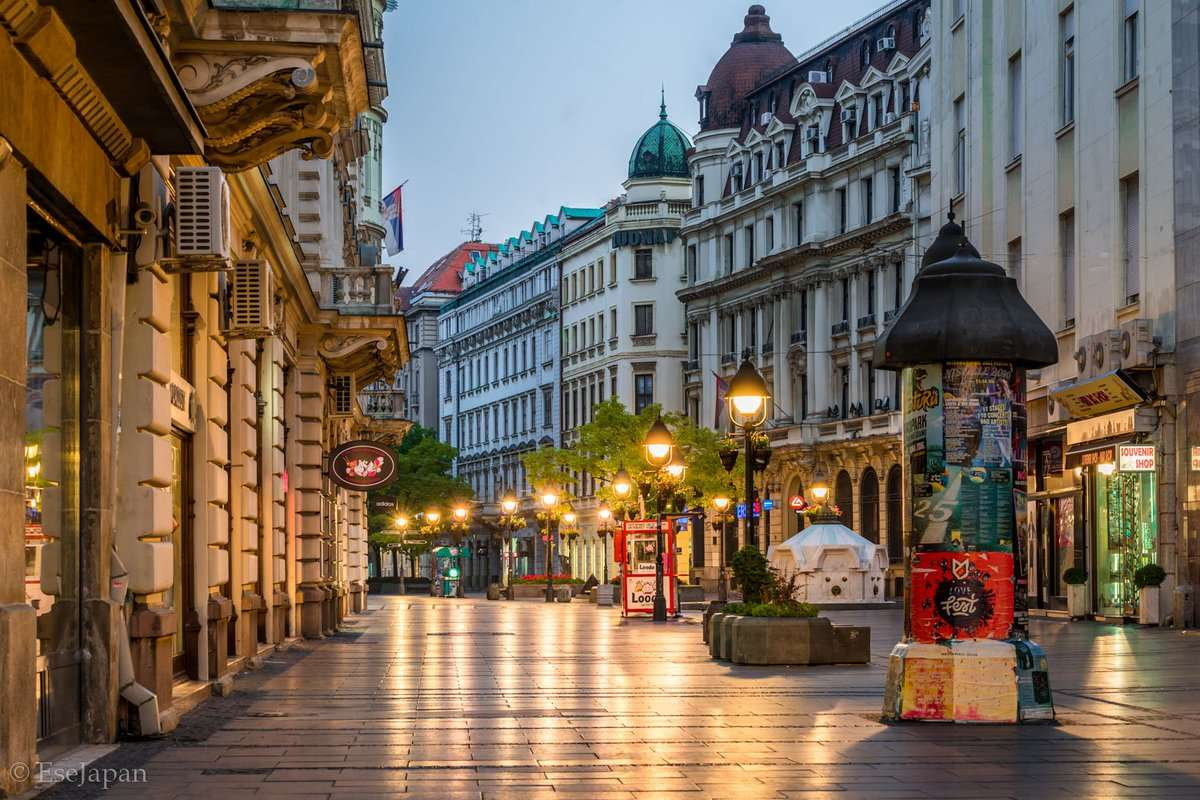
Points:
(789, 609)
(541, 579)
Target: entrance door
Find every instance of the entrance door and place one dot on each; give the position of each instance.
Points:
(52, 477)
(1126, 538)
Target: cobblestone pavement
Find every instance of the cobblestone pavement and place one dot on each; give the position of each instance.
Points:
(454, 699)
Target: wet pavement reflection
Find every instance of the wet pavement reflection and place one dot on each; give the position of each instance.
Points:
(467, 698)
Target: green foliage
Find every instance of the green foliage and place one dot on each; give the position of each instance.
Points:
(423, 464)
(751, 574)
(1076, 576)
(1149, 575)
(790, 609)
(613, 439)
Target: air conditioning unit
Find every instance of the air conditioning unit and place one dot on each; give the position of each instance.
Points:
(251, 304)
(1056, 412)
(1137, 344)
(886, 43)
(201, 213)
(1098, 354)
(848, 116)
(765, 118)
(818, 76)
(341, 395)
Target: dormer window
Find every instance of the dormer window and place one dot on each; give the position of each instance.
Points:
(771, 103)
(864, 53)
(758, 166)
(779, 159)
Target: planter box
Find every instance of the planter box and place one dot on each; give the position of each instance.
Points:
(563, 594)
(801, 641)
(1149, 605)
(528, 590)
(604, 594)
(712, 634)
(493, 591)
(713, 608)
(1077, 600)
(726, 642)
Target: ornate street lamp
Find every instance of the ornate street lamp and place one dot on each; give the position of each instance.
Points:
(568, 533)
(508, 504)
(402, 526)
(549, 498)
(622, 484)
(721, 503)
(460, 514)
(604, 513)
(748, 401)
(659, 445)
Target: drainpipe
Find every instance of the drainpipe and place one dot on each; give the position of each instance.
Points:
(144, 700)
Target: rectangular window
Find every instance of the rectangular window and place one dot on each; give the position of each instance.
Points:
(960, 147)
(1014, 260)
(1066, 27)
(868, 199)
(769, 230)
(845, 299)
(1066, 244)
(600, 326)
(612, 322)
(1016, 108)
(894, 174)
(758, 167)
(798, 219)
(643, 319)
(803, 326)
(869, 369)
(446, 430)
(643, 392)
(643, 264)
(728, 253)
(870, 278)
(1130, 209)
(748, 235)
(779, 160)
(841, 197)
(1129, 42)
(698, 200)
(547, 422)
(691, 263)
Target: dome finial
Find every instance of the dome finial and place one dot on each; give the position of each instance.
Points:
(662, 104)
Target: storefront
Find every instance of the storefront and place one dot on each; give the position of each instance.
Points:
(1056, 515)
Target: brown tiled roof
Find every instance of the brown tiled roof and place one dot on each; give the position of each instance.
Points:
(445, 274)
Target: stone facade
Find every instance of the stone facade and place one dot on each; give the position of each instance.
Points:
(174, 518)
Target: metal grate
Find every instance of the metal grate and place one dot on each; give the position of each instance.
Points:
(249, 309)
(200, 209)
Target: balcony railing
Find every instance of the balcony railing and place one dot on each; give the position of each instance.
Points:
(768, 347)
(728, 358)
(691, 365)
(890, 315)
(866, 321)
(799, 337)
(841, 328)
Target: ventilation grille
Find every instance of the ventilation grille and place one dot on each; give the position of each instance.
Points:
(341, 391)
(249, 300)
(201, 212)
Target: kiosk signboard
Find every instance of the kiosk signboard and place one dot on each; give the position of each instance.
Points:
(638, 547)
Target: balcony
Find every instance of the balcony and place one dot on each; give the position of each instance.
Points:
(890, 315)
(357, 289)
(799, 337)
(841, 328)
(866, 322)
(728, 358)
(691, 365)
(768, 348)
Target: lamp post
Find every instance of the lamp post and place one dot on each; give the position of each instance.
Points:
(747, 400)
(659, 445)
(568, 532)
(508, 504)
(605, 515)
(549, 500)
(460, 521)
(965, 332)
(432, 518)
(721, 504)
(402, 526)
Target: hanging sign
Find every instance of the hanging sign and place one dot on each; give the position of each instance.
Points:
(1195, 459)
(1121, 423)
(1103, 395)
(1136, 458)
(362, 465)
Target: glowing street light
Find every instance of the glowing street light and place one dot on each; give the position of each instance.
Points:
(676, 467)
(433, 516)
(747, 397)
(622, 484)
(819, 487)
(508, 504)
(658, 444)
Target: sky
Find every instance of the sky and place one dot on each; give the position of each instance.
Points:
(512, 108)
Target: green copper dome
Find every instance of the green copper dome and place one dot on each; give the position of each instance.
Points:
(661, 152)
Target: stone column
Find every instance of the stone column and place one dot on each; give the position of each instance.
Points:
(18, 636)
(821, 341)
(784, 381)
(310, 443)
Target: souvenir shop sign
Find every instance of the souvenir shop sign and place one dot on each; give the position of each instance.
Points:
(362, 465)
(1112, 392)
(961, 595)
(958, 439)
(1136, 458)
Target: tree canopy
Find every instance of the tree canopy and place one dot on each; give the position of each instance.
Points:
(424, 465)
(613, 439)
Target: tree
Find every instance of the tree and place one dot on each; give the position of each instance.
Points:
(423, 464)
(613, 439)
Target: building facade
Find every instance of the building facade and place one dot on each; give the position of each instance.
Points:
(810, 193)
(1066, 144)
(622, 325)
(500, 374)
(181, 380)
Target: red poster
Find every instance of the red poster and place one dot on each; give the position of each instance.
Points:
(961, 595)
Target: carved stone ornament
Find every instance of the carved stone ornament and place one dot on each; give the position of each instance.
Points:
(337, 347)
(257, 106)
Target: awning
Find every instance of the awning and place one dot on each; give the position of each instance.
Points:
(1105, 394)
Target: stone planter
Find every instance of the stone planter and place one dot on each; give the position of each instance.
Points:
(563, 594)
(1077, 600)
(528, 591)
(726, 642)
(1148, 605)
(604, 594)
(712, 634)
(493, 591)
(713, 607)
(786, 641)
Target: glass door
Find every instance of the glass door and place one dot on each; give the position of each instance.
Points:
(1126, 538)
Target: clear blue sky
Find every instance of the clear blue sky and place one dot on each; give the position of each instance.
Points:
(515, 107)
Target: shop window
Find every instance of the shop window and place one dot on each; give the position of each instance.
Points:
(1126, 538)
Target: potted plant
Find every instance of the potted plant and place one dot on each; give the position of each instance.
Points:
(761, 450)
(1077, 601)
(727, 451)
(1148, 579)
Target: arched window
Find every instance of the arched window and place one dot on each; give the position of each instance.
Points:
(868, 504)
(793, 522)
(895, 514)
(843, 494)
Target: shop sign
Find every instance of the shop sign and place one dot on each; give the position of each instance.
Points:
(1122, 423)
(958, 595)
(644, 238)
(362, 465)
(1136, 458)
(1195, 459)
(1050, 454)
(1112, 392)
(382, 505)
(183, 403)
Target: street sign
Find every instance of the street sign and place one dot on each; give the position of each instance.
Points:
(768, 504)
(797, 502)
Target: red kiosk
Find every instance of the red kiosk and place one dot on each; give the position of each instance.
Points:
(635, 548)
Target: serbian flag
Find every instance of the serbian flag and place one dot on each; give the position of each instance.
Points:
(393, 219)
(722, 390)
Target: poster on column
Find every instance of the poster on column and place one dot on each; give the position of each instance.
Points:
(922, 388)
(961, 595)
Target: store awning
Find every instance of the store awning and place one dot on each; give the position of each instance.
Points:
(1105, 394)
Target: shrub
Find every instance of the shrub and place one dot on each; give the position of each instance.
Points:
(1075, 576)
(751, 574)
(788, 609)
(1149, 575)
